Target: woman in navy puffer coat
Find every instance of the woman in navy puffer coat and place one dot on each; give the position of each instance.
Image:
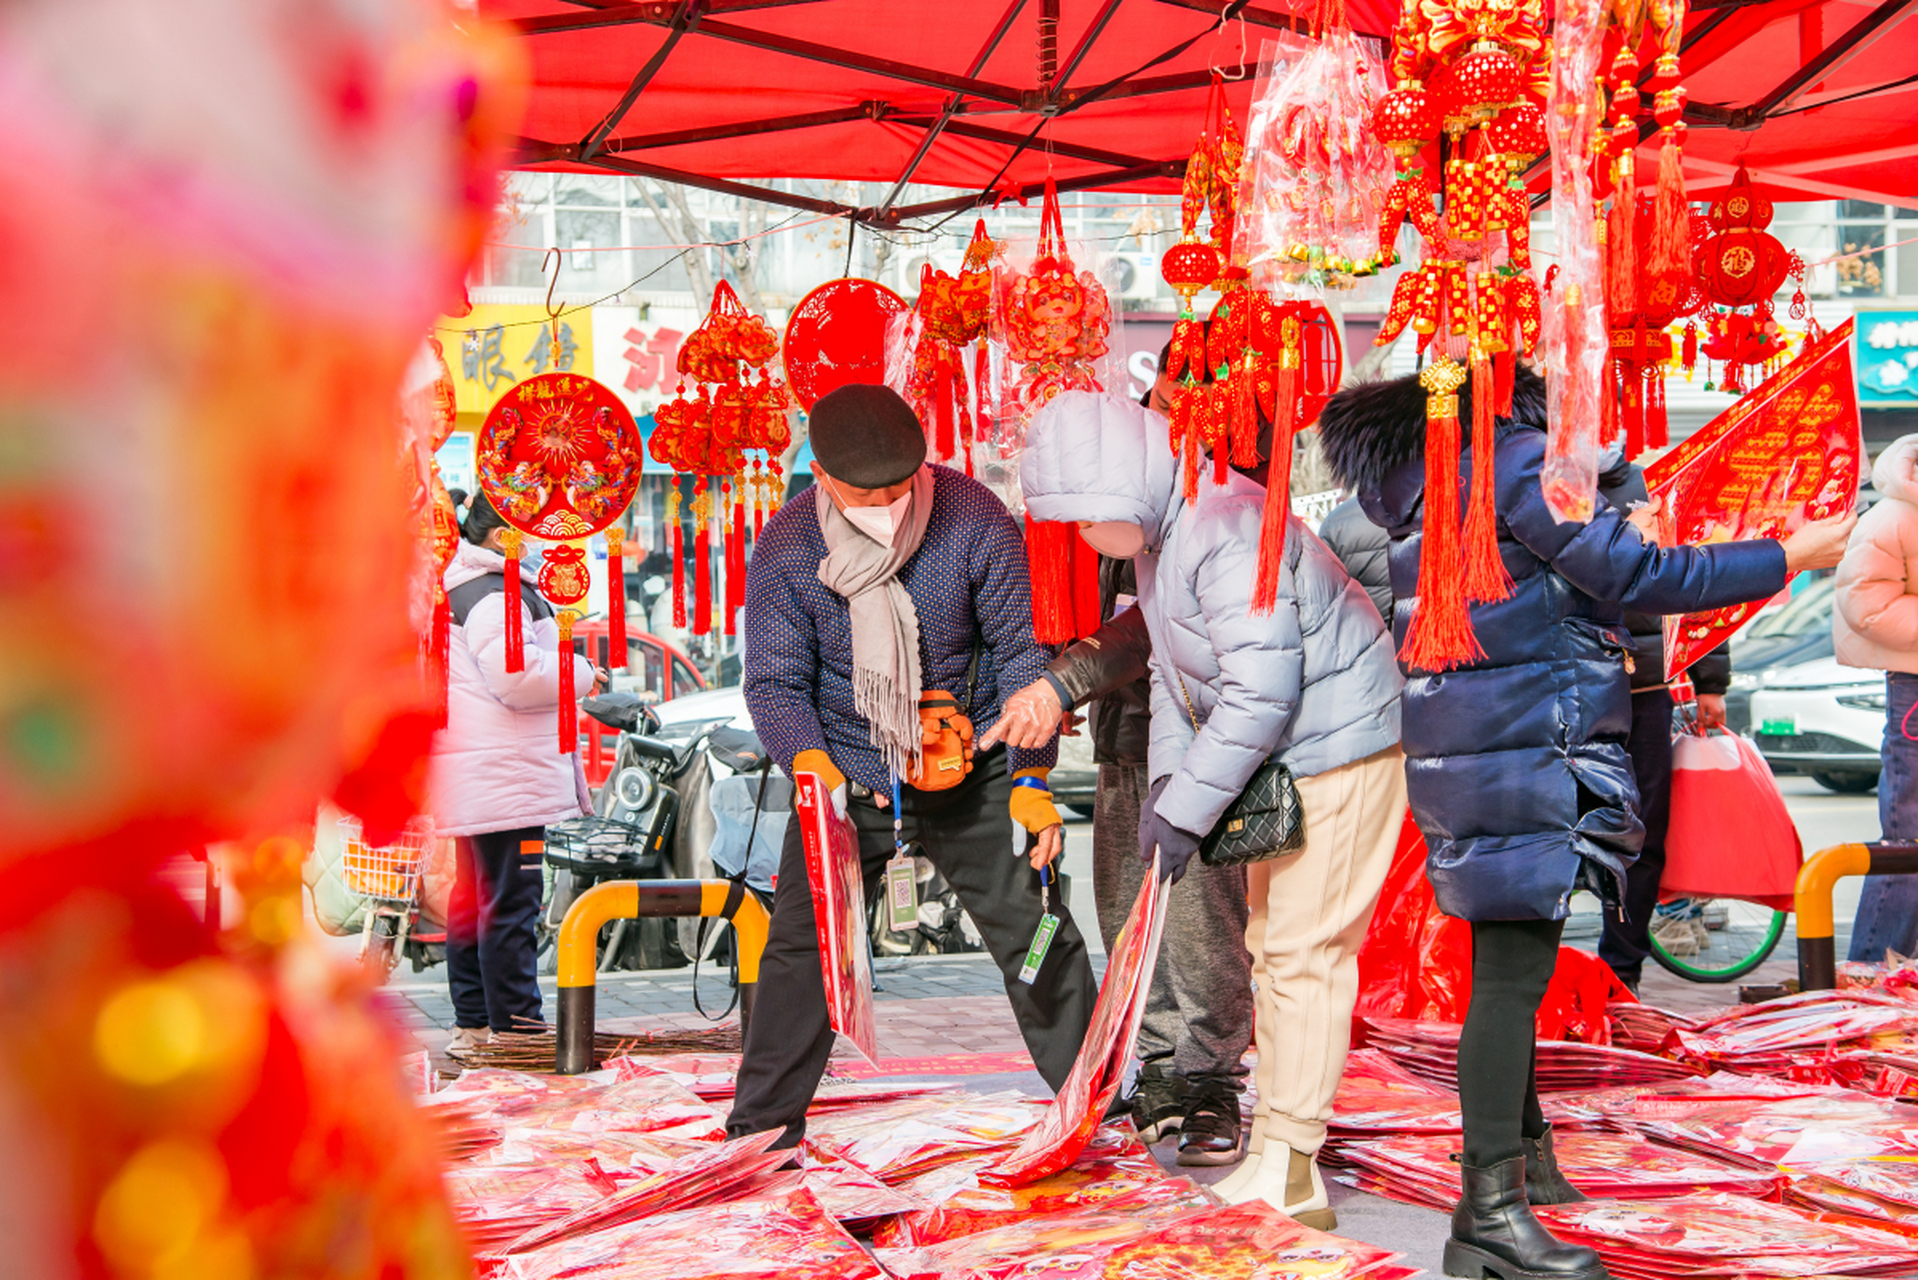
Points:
(1516, 765)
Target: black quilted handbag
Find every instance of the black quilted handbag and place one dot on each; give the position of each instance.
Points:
(1266, 821)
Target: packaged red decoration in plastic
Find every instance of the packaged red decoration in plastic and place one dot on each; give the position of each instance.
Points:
(1054, 320)
(1787, 453)
(771, 1238)
(1099, 1069)
(1723, 1235)
(1044, 1246)
(1377, 1095)
(498, 1204)
(1416, 961)
(899, 1140)
(848, 1192)
(839, 910)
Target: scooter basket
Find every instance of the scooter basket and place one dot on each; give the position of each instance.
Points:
(602, 848)
(388, 872)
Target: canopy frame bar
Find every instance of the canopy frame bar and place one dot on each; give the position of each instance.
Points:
(953, 105)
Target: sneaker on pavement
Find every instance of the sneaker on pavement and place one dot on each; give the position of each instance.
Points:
(1158, 1103)
(467, 1039)
(1209, 1134)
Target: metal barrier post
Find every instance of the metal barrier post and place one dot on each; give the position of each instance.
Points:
(639, 899)
(1817, 950)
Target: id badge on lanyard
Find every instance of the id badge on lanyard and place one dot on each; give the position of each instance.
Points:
(902, 875)
(1048, 926)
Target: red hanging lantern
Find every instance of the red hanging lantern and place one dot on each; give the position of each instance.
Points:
(1741, 264)
(559, 457)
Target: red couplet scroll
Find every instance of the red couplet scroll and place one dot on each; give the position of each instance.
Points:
(839, 910)
(1786, 454)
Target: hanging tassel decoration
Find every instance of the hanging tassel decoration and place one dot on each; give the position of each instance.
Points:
(1278, 474)
(702, 559)
(1085, 588)
(510, 542)
(1656, 436)
(1049, 556)
(1485, 575)
(568, 703)
(679, 558)
(1621, 287)
(439, 652)
(1441, 636)
(616, 598)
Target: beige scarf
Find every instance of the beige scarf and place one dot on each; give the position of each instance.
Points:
(886, 678)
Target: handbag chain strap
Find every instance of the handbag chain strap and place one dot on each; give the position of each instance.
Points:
(1190, 714)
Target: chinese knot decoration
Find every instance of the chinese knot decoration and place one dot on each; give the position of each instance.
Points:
(1634, 261)
(1056, 319)
(1641, 349)
(1474, 73)
(740, 408)
(954, 312)
(560, 458)
(1740, 265)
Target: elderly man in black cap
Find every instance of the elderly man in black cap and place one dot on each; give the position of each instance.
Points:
(891, 578)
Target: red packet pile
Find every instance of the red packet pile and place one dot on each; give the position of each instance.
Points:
(1376, 1095)
(1114, 1166)
(1419, 1168)
(1725, 1236)
(1129, 1238)
(839, 912)
(769, 1238)
(851, 1194)
(495, 1206)
(898, 1140)
(712, 1077)
(697, 1179)
(617, 1153)
(1429, 1050)
(1645, 1027)
(1794, 1032)
(1818, 1126)
(1100, 1068)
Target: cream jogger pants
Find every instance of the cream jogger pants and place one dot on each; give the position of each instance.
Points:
(1310, 911)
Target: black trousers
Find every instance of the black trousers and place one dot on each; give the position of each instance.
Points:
(1627, 942)
(490, 930)
(967, 832)
(1512, 964)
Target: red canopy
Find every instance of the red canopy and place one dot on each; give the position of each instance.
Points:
(1818, 97)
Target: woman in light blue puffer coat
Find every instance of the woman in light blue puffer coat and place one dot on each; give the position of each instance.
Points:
(1315, 682)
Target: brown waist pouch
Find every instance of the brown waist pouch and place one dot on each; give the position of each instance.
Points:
(946, 736)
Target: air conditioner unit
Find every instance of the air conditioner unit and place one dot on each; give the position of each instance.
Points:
(1133, 275)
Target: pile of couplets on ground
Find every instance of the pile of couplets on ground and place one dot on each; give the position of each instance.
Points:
(1777, 1139)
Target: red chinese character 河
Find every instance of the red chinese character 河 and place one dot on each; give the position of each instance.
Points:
(651, 361)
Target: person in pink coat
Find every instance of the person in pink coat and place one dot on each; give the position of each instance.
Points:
(1876, 625)
(497, 778)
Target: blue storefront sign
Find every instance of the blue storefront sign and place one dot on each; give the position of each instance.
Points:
(1887, 359)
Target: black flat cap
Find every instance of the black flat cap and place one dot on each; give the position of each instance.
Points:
(867, 436)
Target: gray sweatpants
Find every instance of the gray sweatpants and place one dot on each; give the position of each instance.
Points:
(1198, 1014)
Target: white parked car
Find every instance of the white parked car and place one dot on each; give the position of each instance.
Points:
(1821, 719)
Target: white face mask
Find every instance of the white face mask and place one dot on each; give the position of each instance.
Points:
(1118, 539)
(877, 523)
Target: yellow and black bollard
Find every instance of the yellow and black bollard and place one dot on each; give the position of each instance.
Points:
(640, 899)
(1817, 953)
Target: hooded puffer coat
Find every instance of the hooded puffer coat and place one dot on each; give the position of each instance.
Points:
(1876, 622)
(1516, 764)
(1314, 682)
(496, 766)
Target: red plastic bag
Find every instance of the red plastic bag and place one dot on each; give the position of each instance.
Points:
(839, 911)
(1730, 836)
(1416, 962)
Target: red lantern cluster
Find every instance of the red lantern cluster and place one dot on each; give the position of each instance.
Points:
(739, 408)
(954, 313)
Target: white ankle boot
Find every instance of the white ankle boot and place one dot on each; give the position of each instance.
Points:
(1248, 1167)
(1289, 1181)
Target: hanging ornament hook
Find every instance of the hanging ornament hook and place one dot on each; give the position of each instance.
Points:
(1240, 72)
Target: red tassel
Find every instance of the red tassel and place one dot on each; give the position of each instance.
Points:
(1485, 576)
(1273, 516)
(735, 559)
(439, 653)
(679, 558)
(1440, 636)
(1085, 587)
(1245, 415)
(702, 560)
(1655, 423)
(944, 392)
(1049, 558)
(1621, 245)
(568, 703)
(1504, 367)
(1671, 218)
(615, 598)
(515, 633)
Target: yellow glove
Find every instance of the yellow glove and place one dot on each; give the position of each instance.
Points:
(816, 761)
(1032, 806)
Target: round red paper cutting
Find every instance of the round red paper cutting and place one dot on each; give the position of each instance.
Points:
(559, 456)
(837, 336)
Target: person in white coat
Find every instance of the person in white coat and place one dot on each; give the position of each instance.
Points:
(497, 778)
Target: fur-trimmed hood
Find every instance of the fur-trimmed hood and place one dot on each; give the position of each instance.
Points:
(1370, 430)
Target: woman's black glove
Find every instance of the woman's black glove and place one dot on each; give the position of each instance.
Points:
(1175, 845)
